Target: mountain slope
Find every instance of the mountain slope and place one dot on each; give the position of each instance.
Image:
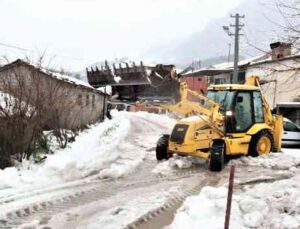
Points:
(212, 41)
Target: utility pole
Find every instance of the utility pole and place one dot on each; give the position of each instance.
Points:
(229, 50)
(237, 27)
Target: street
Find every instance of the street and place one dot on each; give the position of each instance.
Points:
(147, 196)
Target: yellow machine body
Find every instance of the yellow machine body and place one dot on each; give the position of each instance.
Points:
(205, 124)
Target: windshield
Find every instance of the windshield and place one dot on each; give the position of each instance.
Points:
(223, 98)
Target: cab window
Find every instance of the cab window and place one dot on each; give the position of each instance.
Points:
(258, 108)
(243, 111)
(223, 98)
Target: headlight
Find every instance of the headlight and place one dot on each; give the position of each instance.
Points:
(228, 113)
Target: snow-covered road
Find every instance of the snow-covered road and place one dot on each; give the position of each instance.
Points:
(109, 178)
(108, 184)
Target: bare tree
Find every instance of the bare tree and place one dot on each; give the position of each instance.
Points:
(289, 10)
(32, 101)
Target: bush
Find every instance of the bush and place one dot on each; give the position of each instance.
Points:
(63, 137)
(28, 105)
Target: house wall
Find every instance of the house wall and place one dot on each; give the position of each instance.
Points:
(196, 83)
(287, 75)
(59, 104)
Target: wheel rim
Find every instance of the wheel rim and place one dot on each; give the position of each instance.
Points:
(263, 145)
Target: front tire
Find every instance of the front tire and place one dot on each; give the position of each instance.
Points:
(261, 143)
(162, 147)
(217, 157)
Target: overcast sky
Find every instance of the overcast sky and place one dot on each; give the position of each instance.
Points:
(82, 32)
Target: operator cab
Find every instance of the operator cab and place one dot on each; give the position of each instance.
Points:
(241, 105)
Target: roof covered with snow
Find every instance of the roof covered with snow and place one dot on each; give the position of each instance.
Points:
(55, 74)
(67, 78)
(228, 66)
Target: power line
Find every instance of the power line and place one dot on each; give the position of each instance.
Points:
(12, 46)
(33, 51)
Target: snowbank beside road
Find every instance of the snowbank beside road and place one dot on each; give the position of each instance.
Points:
(93, 150)
(288, 160)
(110, 149)
(207, 210)
(162, 119)
(265, 205)
(256, 204)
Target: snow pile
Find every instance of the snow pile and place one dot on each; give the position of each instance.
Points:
(127, 160)
(207, 210)
(257, 204)
(94, 150)
(287, 160)
(163, 125)
(161, 119)
(177, 162)
(275, 205)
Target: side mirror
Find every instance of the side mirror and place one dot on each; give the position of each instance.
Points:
(240, 99)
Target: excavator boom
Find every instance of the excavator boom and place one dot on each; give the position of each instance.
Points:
(188, 108)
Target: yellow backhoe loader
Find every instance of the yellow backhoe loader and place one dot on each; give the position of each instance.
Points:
(232, 120)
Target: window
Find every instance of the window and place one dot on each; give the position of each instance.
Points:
(93, 100)
(79, 99)
(243, 111)
(220, 81)
(241, 77)
(87, 100)
(258, 108)
(224, 98)
(288, 126)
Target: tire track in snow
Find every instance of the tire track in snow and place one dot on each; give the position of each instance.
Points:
(81, 194)
(163, 216)
(44, 209)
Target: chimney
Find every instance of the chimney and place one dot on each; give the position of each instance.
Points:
(280, 50)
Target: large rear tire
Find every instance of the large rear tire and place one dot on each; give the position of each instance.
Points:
(162, 147)
(261, 143)
(217, 157)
